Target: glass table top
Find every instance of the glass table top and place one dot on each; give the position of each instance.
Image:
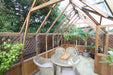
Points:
(72, 60)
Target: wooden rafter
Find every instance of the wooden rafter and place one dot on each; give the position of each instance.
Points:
(94, 12)
(62, 22)
(66, 24)
(93, 20)
(78, 8)
(45, 2)
(33, 5)
(68, 29)
(94, 8)
(46, 18)
(45, 5)
(57, 18)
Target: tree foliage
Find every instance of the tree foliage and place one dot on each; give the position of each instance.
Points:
(13, 14)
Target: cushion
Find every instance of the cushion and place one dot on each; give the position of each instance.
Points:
(48, 64)
(68, 72)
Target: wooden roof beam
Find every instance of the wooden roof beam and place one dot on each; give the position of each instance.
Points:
(45, 5)
(94, 12)
(79, 9)
(94, 8)
(46, 18)
(94, 20)
(33, 5)
(65, 25)
(45, 2)
(62, 22)
(57, 18)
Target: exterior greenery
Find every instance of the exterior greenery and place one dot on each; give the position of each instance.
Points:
(13, 14)
(8, 55)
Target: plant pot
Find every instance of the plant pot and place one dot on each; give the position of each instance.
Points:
(78, 52)
(85, 54)
(93, 55)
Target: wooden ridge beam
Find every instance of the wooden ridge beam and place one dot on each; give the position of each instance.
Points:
(94, 8)
(45, 5)
(62, 22)
(57, 18)
(33, 5)
(46, 18)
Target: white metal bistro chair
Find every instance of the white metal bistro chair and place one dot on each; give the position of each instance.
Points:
(60, 50)
(45, 66)
(71, 50)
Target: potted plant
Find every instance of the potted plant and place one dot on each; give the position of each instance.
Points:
(109, 58)
(8, 55)
(91, 48)
(77, 34)
(85, 38)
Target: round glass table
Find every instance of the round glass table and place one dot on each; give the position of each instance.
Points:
(71, 61)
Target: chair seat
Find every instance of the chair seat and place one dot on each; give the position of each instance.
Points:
(48, 64)
(68, 72)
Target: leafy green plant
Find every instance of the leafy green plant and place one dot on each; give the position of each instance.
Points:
(90, 47)
(9, 54)
(109, 58)
(86, 35)
(77, 34)
(68, 37)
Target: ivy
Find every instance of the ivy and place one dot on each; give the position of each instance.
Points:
(9, 54)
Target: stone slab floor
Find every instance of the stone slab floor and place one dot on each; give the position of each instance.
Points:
(85, 66)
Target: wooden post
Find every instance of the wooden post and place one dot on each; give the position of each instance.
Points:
(37, 49)
(107, 42)
(100, 20)
(53, 41)
(46, 45)
(104, 37)
(96, 40)
(24, 41)
(96, 49)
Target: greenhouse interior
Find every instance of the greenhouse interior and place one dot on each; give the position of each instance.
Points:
(56, 37)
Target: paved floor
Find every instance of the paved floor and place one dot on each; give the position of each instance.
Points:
(85, 67)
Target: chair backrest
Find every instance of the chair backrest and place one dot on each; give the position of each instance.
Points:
(39, 61)
(71, 50)
(60, 50)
